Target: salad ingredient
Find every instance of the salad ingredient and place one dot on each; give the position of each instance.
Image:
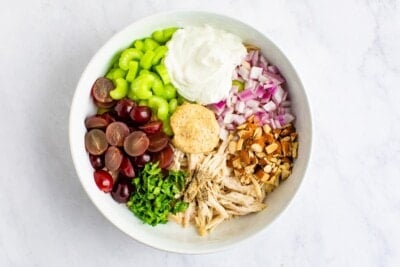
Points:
(121, 191)
(195, 127)
(96, 142)
(136, 143)
(116, 73)
(120, 90)
(258, 90)
(126, 168)
(97, 162)
(165, 157)
(116, 133)
(141, 114)
(262, 153)
(103, 180)
(142, 160)
(158, 142)
(201, 60)
(159, 53)
(113, 158)
(154, 196)
(101, 90)
(147, 59)
(160, 105)
(213, 194)
(140, 74)
(132, 71)
(96, 121)
(129, 55)
(123, 108)
(163, 36)
(151, 127)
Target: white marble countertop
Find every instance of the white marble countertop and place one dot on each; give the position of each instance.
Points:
(347, 213)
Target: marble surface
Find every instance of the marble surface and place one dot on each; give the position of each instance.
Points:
(347, 212)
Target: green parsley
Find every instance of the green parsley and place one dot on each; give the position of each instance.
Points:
(154, 196)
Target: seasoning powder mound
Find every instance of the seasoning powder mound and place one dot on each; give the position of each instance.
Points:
(195, 128)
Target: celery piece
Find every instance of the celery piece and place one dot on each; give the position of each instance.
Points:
(146, 60)
(172, 105)
(128, 55)
(161, 105)
(163, 72)
(169, 32)
(157, 86)
(158, 36)
(115, 73)
(159, 54)
(167, 129)
(169, 91)
(120, 90)
(143, 103)
(139, 44)
(150, 44)
(140, 87)
(133, 70)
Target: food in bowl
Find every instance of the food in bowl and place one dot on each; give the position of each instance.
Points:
(239, 143)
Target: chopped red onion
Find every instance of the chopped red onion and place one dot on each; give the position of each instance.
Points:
(270, 106)
(263, 96)
(255, 72)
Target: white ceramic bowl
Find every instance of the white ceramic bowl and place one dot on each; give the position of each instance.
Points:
(172, 237)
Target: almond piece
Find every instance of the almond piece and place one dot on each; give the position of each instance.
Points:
(249, 169)
(239, 145)
(262, 176)
(232, 147)
(295, 146)
(257, 133)
(244, 157)
(244, 134)
(286, 147)
(271, 148)
(266, 128)
(236, 163)
(268, 138)
(256, 148)
(261, 155)
(267, 168)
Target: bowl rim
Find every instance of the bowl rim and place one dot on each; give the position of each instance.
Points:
(308, 114)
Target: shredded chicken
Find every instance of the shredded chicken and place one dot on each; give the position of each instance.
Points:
(213, 192)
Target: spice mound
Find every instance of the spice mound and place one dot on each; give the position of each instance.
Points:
(195, 129)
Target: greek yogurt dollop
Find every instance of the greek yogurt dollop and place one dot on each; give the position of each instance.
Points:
(201, 60)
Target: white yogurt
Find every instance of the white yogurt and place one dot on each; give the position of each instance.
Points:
(201, 60)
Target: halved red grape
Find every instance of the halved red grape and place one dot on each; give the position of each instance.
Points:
(108, 117)
(126, 168)
(96, 122)
(142, 160)
(151, 127)
(116, 133)
(107, 105)
(121, 192)
(123, 108)
(113, 158)
(101, 90)
(96, 142)
(158, 142)
(164, 157)
(141, 114)
(136, 143)
(96, 161)
(103, 180)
